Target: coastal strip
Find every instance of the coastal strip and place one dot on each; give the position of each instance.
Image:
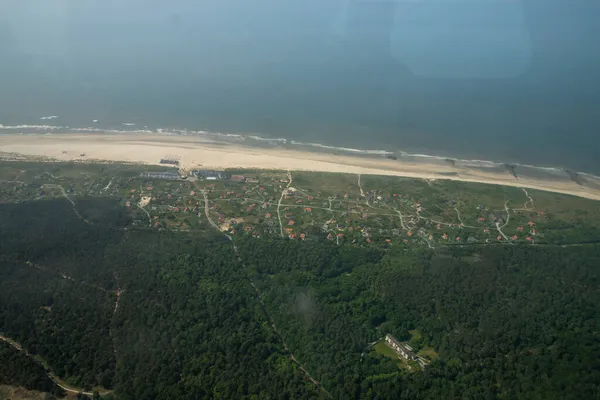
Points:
(195, 152)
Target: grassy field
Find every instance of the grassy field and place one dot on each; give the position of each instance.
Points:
(383, 349)
(428, 352)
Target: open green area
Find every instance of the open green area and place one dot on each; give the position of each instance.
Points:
(109, 282)
(385, 350)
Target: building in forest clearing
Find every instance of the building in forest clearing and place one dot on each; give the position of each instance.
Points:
(405, 351)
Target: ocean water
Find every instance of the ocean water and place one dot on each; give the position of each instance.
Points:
(507, 81)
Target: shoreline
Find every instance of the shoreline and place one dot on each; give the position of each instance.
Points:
(204, 152)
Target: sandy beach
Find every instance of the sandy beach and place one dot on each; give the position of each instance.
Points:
(199, 152)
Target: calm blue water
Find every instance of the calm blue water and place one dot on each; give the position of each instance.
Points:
(513, 81)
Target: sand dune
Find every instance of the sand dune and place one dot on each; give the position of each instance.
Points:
(198, 152)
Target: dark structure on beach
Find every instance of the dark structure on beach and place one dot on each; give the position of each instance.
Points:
(170, 160)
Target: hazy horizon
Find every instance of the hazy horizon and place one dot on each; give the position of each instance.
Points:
(504, 80)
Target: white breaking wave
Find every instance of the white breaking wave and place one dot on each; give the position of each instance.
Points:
(270, 140)
(348, 149)
(241, 138)
(36, 127)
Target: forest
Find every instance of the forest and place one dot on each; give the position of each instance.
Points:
(155, 314)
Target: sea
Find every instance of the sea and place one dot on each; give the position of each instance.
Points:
(506, 82)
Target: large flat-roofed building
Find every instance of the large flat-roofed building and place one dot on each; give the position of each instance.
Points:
(161, 175)
(405, 351)
(208, 174)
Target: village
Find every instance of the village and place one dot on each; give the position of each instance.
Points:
(344, 209)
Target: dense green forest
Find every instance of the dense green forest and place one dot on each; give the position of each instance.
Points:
(170, 315)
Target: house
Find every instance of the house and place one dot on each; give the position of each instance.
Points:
(237, 178)
(291, 222)
(268, 215)
(251, 180)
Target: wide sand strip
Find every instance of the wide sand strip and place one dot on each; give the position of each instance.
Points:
(199, 152)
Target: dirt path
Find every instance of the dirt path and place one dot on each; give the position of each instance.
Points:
(507, 213)
(54, 378)
(206, 212)
(109, 183)
(401, 219)
(529, 201)
(362, 193)
(283, 192)
(258, 294)
(64, 193)
(147, 213)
